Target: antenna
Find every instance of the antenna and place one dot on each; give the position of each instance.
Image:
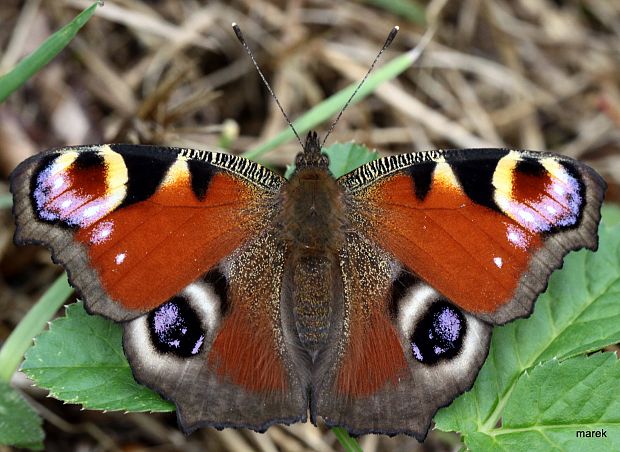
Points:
(247, 49)
(387, 43)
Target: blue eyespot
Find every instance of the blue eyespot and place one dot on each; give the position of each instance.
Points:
(176, 328)
(439, 334)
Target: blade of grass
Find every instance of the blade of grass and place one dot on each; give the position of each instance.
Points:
(332, 105)
(6, 201)
(408, 9)
(52, 46)
(19, 341)
(349, 444)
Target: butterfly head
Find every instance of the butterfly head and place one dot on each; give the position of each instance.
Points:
(311, 155)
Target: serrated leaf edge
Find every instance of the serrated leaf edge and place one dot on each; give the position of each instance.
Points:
(85, 404)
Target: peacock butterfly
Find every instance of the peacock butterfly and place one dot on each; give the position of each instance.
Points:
(250, 300)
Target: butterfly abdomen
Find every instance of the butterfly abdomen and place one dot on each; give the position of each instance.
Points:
(313, 223)
(312, 308)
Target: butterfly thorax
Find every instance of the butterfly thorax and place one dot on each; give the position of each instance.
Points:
(313, 222)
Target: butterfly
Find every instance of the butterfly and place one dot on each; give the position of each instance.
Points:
(250, 300)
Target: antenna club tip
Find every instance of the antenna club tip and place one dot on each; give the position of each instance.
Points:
(237, 31)
(391, 37)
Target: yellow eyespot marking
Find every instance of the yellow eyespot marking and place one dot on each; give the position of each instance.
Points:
(64, 161)
(504, 174)
(116, 172)
(555, 169)
(116, 177)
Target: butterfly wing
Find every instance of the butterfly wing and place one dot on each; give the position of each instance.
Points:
(177, 244)
(216, 350)
(445, 243)
(402, 352)
(133, 225)
(484, 227)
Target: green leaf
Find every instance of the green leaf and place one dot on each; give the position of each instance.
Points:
(80, 360)
(343, 158)
(20, 425)
(554, 401)
(611, 214)
(578, 313)
(52, 46)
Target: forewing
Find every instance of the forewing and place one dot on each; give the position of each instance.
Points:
(485, 228)
(134, 225)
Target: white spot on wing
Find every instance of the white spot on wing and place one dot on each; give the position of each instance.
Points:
(58, 182)
(196, 348)
(517, 237)
(560, 190)
(526, 215)
(101, 232)
(90, 211)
